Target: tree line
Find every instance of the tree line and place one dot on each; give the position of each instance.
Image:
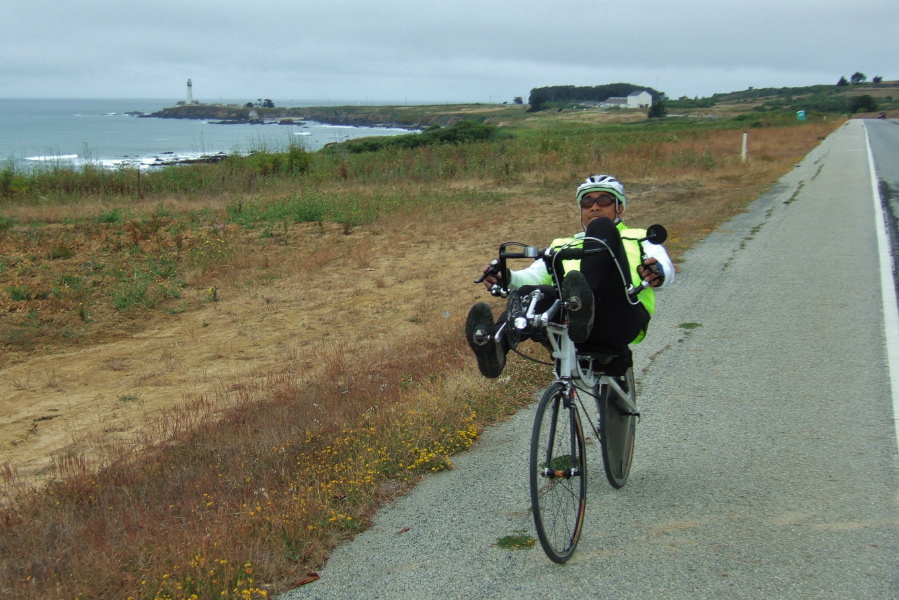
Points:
(544, 97)
(857, 78)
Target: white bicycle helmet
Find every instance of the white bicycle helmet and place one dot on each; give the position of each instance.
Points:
(603, 183)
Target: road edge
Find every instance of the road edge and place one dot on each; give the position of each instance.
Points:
(888, 289)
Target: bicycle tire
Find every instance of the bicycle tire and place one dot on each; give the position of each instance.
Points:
(617, 430)
(558, 499)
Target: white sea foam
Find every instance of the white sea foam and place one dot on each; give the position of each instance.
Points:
(52, 157)
(166, 159)
(157, 160)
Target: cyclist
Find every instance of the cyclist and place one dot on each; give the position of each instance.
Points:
(606, 318)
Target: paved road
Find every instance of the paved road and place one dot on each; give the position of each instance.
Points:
(884, 139)
(766, 461)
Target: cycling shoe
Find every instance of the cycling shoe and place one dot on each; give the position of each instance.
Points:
(578, 297)
(480, 332)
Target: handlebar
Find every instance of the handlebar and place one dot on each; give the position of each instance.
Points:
(497, 266)
(655, 234)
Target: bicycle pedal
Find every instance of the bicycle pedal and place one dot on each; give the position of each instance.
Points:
(481, 337)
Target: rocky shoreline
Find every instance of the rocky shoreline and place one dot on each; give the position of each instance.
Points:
(350, 116)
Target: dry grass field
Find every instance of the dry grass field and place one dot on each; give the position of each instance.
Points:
(218, 437)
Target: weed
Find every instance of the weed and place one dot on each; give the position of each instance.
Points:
(131, 294)
(111, 216)
(60, 250)
(517, 541)
(19, 293)
(116, 364)
(211, 253)
(67, 285)
(53, 380)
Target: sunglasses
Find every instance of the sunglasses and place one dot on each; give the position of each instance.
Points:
(602, 201)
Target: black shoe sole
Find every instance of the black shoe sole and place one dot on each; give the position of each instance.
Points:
(490, 355)
(580, 321)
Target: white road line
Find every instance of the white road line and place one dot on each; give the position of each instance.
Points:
(888, 288)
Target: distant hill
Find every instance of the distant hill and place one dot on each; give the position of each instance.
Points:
(815, 98)
(820, 98)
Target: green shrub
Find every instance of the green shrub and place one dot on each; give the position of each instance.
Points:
(60, 250)
(459, 133)
(19, 293)
(296, 161)
(6, 177)
(264, 162)
(132, 293)
(113, 216)
(863, 103)
(295, 209)
(68, 285)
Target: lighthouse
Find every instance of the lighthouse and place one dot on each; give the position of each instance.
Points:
(190, 92)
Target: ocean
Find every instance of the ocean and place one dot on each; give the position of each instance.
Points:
(76, 132)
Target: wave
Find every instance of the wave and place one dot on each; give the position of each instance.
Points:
(156, 160)
(52, 157)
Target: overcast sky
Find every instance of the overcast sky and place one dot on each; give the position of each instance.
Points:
(371, 51)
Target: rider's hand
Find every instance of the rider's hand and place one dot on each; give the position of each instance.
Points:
(491, 278)
(649, 271)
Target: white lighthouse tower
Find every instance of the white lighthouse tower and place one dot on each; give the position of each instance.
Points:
(190, 92)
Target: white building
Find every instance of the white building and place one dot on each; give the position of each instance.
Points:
(636, 99)
(641, 99)
(615, 102)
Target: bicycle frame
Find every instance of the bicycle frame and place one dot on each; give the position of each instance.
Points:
(571, 368)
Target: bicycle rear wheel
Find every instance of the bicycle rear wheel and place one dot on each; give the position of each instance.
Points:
(558, 473)
(617, 428)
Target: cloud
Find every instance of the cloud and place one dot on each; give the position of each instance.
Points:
(461, 50)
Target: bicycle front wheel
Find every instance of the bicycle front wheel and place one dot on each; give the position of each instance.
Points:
(616, 432)
(558, 473)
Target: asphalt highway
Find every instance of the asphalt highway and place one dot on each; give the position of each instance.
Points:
(766, 459)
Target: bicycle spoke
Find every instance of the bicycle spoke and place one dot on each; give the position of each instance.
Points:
(558, 474)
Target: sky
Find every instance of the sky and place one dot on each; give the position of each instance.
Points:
(433, 51)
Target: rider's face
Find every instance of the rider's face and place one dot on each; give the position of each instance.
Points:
(595, 210)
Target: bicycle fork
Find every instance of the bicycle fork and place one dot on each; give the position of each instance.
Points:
(569, 404)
